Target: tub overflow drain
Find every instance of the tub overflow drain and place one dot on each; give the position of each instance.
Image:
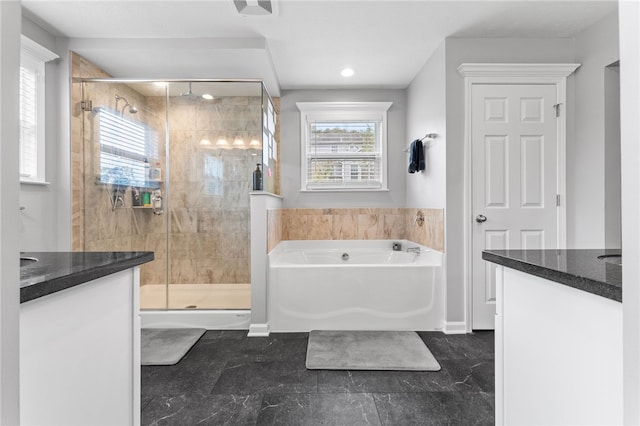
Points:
(345, 256)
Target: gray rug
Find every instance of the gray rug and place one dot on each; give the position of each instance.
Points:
(369, 350)
(167, 346)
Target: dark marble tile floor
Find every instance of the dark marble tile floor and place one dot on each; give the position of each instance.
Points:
(230, 379)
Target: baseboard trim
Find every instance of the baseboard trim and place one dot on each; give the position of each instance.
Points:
(258, 330)
(455, 327)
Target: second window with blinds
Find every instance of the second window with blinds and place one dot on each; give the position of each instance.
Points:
(344, 146)
(33, 58)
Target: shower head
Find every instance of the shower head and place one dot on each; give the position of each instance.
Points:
(132, 108)
(118, 97)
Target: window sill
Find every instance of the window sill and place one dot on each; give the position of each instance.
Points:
(35, 182)
(346, 190)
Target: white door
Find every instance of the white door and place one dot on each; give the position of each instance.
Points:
(514, 169)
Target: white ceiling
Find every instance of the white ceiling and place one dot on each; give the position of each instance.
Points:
(307, 42)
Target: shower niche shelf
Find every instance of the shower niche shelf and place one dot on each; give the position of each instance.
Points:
(134, 207)
(150, 184)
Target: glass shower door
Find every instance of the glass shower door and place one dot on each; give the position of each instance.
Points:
(214, 146)
(123, 192)
(168, 167)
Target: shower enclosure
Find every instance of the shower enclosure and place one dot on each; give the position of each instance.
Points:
(168, 167)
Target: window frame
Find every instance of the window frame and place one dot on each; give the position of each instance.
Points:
(35, 56)
(342, 111)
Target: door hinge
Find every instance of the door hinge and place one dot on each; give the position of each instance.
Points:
(557, 200)
(557, 108)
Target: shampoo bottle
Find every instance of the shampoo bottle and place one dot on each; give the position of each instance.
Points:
(146, 199)
(257, 178)
(156, 173)
(136, 201)
(147, 170)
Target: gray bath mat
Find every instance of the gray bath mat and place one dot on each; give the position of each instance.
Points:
(369, 350)
(167, 346)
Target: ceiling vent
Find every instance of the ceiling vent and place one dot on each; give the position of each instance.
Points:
(254, 7)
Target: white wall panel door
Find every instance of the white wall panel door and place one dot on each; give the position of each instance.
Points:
(514, 170)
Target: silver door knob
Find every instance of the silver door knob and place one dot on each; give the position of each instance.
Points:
(481, 218)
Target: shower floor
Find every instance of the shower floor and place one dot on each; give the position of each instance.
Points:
(196, 296)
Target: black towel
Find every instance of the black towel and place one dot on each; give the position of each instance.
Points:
(416, 156)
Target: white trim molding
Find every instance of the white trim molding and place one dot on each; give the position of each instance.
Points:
(340, 112)
(455, 327)
(37, 50)
(500, 73)
(516, 70)
(258, 330)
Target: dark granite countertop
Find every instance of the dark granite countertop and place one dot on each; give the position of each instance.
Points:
(55, 271)
(581, 269)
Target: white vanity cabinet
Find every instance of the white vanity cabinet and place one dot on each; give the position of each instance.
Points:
(79, 354)
(558, 353)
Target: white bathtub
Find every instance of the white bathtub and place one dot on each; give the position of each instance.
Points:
(311, 287)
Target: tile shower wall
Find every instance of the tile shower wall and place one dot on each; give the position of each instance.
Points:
(431, 234)
(356, 224)
(80, 68)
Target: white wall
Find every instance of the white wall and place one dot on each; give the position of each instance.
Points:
(290, 150)
(426, 103)
(595, 48)
(460, 50)
(629, 13)
(9, 195)
(38, 222)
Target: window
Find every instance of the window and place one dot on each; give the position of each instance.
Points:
(344, 145)
(32, 110)
(127, 149)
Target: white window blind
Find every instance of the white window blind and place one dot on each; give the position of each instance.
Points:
(28, 120)
(124, 146)
(32, 110)
(343, 145)
(344, 154)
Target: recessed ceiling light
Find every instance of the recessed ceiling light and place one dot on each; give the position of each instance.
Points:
(347, 72)
(207, 96)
